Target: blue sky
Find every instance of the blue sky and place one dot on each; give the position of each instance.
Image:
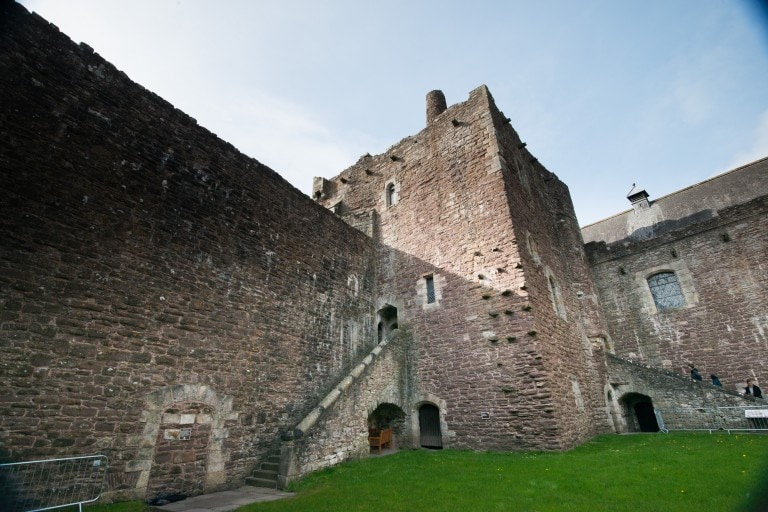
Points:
(606, 93)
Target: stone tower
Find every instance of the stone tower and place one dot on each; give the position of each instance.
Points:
(481, 257)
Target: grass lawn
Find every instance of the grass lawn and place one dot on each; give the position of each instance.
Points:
(649, 472)
(645, 472)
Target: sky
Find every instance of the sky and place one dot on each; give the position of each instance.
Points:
(606, 93)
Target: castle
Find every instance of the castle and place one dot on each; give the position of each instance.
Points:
(178, 306)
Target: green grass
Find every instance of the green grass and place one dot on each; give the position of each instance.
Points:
(655, 472)
(650, 472)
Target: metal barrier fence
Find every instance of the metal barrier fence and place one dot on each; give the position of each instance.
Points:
(53, 483)
(744, 418)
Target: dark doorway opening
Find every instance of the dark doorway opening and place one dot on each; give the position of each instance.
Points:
(646, 417)
(638, 413)
(429, 427)
(387, 321)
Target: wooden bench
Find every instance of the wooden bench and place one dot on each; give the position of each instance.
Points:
(380, 438)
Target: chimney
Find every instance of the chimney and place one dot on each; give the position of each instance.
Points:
(435, 105)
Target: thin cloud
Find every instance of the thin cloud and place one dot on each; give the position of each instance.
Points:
(759, 146)
(283, 135)
(694, 102)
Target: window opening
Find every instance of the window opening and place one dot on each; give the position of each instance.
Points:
(391, 195)
(430, 280)
(666, 291)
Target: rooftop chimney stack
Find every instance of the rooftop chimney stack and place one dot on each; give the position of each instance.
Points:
(639, 198)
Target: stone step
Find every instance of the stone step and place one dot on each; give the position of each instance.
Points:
(264, 474)
(260, 482)
(269, 466)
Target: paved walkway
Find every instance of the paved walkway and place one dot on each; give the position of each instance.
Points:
(224, 500)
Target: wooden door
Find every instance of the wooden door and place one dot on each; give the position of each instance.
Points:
(429, 427)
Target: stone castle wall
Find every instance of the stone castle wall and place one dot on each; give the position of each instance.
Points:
(178, 306)
(720, 263)
(153, 278)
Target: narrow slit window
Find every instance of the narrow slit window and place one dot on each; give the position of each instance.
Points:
(430, 281)
(666, 291)
(557, 299)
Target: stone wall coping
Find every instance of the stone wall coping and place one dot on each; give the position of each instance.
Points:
(661, 371)
(600, 252)
(327, 402)
(743, 183)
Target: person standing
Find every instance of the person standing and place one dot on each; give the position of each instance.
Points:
(695, 375)
(753, 389)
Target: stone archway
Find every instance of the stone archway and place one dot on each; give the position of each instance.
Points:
(180, 411)
(638, 413)
(434, 404)
(388, 415)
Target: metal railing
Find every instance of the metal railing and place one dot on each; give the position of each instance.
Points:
(53, 483)
(742, 418)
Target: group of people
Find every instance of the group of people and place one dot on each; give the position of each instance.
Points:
(751, 389)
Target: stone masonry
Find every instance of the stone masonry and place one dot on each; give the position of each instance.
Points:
(177, 306)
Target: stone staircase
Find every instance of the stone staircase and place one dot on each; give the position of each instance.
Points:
(266, 474)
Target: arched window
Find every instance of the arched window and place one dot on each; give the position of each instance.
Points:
(666, 291)
(352, 284)
(391, 194)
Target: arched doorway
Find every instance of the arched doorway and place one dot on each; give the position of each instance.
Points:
(203, 415)
(387, 416)
(638, 413)
(430, 435)
(180, 463)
